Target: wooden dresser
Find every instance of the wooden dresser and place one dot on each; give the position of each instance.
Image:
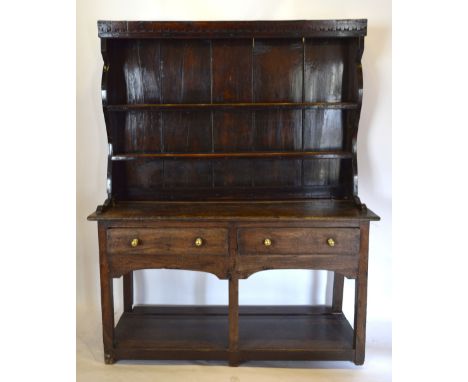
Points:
(232, 150)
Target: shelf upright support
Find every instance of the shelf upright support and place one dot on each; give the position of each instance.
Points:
(355, 121)
(105, 101)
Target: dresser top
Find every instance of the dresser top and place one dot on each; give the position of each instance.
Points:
(236, 211)
(232, 29)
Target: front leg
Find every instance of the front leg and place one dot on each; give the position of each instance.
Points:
(107, 298)
(360, 305)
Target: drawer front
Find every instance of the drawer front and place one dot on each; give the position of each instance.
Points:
(167, 241)
(298, 241)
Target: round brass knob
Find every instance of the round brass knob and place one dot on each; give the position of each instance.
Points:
(331, 242)
(267, 242)
(134, 243)
(198, 241)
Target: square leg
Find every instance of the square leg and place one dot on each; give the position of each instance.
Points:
(107, 298)
(128, 291)
(338, 284)
(360, 304)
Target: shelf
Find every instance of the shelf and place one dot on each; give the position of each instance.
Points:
(298, 328)
(267, 210)
(234, 106)
(166, 328)
(253, 154)
(265, 332)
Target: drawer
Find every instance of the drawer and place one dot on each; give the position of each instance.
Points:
(296, 241)
(167, 241)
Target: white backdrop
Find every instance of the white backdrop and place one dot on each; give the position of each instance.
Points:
(274, 287)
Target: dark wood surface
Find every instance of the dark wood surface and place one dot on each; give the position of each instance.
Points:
(233, 132)
(234, 106)
(219, 266)
(282, 114)
(248, 265)
(232, 29)
(253, 154)
(338, 285)
(128, 291)
(107, 298)
(265, 332)
(165, 331)
(313, 241)
(167, 241)
(269, 210)
(294, 245)
(360, 302)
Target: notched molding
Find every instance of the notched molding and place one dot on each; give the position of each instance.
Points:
(109, 29)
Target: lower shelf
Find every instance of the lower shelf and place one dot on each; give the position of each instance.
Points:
(265, 333)
(167, 328)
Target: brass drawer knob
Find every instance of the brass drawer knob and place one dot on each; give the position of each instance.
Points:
(135, 242)
(331, 242)
(267, 242)
(198, 241)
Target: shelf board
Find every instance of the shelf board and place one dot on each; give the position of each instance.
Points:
(296, 330)
(265, 332)
(146, 328)
(234, 106)
(253, 154)
(229, 210)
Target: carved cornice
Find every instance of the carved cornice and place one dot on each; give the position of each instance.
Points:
(218, 29)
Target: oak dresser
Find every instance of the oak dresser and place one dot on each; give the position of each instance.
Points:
(232, 150)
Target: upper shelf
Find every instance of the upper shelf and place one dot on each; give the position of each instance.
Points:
(232, 29)
(337, 154)
(237, 105)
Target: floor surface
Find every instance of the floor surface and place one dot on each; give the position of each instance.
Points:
(91, 367)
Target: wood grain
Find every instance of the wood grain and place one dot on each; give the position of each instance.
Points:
(186, 98)
(232, 29)
(141, 71)
(247, 265)
(325, 210)
(167, 241)
(107, 300)
(190, 333)
(360, 302)
(232, 106)
(338, 285)
(128, 291)
(120, 264)
(253, 154)
(289, 241)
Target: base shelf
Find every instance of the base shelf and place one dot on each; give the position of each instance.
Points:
(265, 333)
(164, 328)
